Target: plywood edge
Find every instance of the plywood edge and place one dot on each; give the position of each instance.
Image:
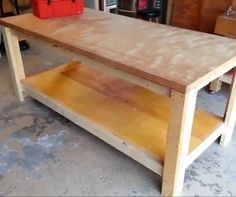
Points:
(65, 67)
(212, 75)
(135, 153)
(227, 78)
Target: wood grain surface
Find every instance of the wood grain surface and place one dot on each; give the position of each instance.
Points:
(110, 103)
(176, 58)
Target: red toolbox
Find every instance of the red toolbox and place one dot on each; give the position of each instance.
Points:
(53, 8)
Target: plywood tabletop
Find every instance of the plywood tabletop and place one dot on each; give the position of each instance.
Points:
(176, 58)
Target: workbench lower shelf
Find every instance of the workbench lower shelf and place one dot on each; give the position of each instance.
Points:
(129, 117)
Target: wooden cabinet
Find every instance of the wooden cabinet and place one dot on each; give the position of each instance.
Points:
(226, 26)
(185, 13)
(234, 5)
(198, 15)
(7, 6)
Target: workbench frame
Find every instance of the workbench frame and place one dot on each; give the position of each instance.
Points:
(183, 105)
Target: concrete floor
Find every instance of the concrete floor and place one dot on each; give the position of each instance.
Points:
(42, 153)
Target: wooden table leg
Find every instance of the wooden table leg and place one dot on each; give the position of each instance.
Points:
(96, 4)
(216, 85)
(230, 114)
(14, 60)
(178, 140)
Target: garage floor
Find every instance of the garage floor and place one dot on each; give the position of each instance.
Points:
(42, 153)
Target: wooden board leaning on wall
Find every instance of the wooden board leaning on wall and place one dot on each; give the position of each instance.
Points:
(198, 15)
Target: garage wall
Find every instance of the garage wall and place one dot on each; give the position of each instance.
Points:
(198, 15)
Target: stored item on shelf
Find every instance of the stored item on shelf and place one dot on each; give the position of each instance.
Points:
(148, 5)
(45, 9)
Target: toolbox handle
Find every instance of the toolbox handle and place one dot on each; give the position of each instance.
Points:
(50, 1)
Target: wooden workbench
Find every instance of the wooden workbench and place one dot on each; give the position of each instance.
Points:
(134, 85)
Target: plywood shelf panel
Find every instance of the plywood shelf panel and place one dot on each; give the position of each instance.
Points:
(134, 114)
